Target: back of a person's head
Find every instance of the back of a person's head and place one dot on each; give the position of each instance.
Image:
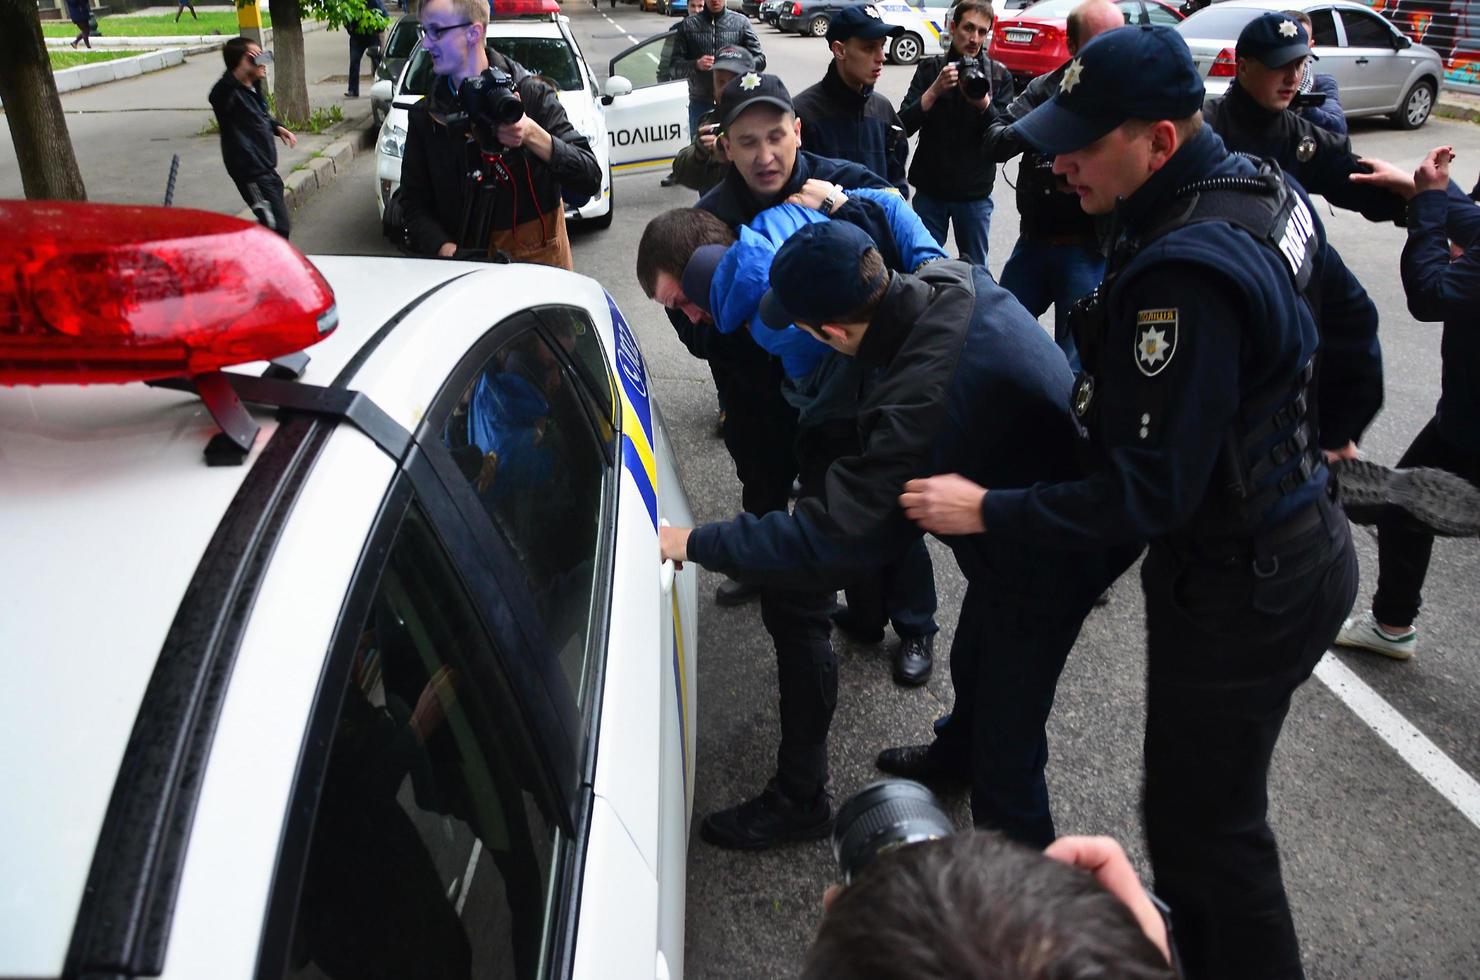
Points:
(977, 906)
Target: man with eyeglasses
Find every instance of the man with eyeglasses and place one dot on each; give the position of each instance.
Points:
(505, 193)
(247, 132)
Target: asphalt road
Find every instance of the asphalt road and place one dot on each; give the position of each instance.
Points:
(1383, 871)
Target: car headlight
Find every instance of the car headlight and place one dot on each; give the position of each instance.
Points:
(393, 140)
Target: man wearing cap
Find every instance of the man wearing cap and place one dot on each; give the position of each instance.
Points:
(698, 39)
(970, 382)
(1197, 350)
(842, 116)
(952, 173)
(701, 164)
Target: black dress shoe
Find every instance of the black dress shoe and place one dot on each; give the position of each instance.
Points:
(856, 631)
(668, 181)
(916, 762)
(733, 593)
(912, 660)
(770, 819)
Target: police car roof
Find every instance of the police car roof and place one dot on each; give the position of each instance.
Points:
(106, 508)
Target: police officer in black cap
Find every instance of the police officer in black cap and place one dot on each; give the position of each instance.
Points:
(1197, 350)
(970, 383)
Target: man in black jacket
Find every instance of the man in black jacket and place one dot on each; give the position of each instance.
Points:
(698, 39)
(513, 200)
(1057, 258)
(953, 174)
(842, 116)
(969, 382)
(247, 132)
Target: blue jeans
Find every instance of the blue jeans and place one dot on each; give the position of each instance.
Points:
(973, 219)
(696, 112)
(1040, 274)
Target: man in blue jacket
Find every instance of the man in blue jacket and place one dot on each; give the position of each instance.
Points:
(968, 381)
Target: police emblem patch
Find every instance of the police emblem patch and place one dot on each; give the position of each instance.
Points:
(1082, 394)
(750, 81)
(1306, 149)
(1288, 28)
(1071, 77)
(1156, 340)
(872, 11)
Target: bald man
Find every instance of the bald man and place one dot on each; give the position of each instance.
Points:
(1057, 257)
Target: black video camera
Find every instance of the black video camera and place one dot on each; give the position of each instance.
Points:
(486, 101)
(882, 816)
(973, 81)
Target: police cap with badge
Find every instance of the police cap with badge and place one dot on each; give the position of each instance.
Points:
(1274, 41)
(860, 20)
(749, 90)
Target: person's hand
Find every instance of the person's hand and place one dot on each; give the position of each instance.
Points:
(1433, 173)
(949, 504)
(1349, 451)
(947, 79)
(286, 135)
(673, 543)
(447, 251)
(831, 895)
(527, 133)
(814, 192)
(1385, 176)
(705, 63)
(1104, 858)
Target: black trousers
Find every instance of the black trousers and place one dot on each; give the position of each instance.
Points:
(1227, 646)
(264, 195)
(359, 45)
(1403, 546)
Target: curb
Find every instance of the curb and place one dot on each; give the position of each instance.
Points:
(86, 76)
(193, 42)
(1462, 111)
(321, 172)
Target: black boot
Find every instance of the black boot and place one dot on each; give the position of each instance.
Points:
(770, 819)
(917, 762)
(913, 660)
(733, 593)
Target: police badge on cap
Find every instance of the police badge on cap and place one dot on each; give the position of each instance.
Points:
(1156, 340)
(1306, 149)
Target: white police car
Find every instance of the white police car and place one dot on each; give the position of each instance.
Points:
(396, 689)
(924, 30)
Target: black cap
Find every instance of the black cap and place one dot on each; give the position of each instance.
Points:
(749, 90)
(698, 275)
(1273, 40)
(814, 275)
(1142, 72)
(860, 20)
(733, 58)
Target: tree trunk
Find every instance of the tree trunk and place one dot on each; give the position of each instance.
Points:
(291, 80)
(34, 109)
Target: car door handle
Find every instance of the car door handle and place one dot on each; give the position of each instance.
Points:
(1363, 61)
(666, 571)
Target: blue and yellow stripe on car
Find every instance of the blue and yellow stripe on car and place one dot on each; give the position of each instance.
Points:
(637, 413)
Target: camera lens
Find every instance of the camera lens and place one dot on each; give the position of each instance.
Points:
(883, 816)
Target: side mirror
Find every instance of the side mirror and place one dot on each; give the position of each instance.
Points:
(615, 86)
(382, 91)
(1401, 41)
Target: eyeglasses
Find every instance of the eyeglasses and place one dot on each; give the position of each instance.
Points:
(436, 31)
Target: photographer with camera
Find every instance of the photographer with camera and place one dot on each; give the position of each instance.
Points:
(952, 100)
(489, 151)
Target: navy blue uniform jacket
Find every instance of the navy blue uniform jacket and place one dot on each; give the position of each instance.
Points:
(863, 127)
(971, 384)
(1240, 329)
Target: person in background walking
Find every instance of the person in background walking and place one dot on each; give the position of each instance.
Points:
(362, 42)
(78, 14)
(180, 6)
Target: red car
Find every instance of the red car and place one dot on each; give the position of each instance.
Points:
(1032, 42)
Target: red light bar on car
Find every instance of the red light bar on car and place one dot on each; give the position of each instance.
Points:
(524, 8)
(105, 294)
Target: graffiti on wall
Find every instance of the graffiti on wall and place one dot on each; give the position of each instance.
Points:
(1450, 27)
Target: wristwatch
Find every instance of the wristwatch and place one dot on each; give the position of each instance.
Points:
(831, 201)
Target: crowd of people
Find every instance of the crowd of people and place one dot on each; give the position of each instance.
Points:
(1212, 366)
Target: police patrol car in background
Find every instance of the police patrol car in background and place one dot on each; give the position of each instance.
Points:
(395, 686)
(924, 26)
(536, 35)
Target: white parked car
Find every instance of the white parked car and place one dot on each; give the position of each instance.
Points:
(1379, 71)
(397, 688)
(925, 29)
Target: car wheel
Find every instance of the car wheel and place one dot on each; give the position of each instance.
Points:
(817, 26)
(1414, 110)
(905, 50)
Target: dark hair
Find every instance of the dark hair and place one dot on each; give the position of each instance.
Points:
(983, 7)
(1301, 16)
(671, 239)
(234, 50)
(976, 905)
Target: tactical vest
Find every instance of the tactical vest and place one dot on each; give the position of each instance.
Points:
(1274, 425)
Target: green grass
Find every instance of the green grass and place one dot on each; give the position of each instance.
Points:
(71, 59)
(159, 25)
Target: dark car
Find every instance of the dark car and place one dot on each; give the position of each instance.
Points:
(809, 17)
(400, 40)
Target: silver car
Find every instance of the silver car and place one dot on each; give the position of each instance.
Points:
(1379, 70)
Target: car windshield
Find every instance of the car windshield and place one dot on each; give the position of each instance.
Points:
(1218, 22)
(550, 57)
(402, 39)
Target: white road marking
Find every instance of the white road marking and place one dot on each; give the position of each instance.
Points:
(1412, 745)
(618, 27)
(467, 882)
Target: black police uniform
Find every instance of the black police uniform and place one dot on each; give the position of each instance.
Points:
(1194, 396)
(970, 384)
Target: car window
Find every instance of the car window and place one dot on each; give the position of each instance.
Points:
(650, 63)
(1132, 11)
(419, 74)
(402, 39)
(1323, 28)
(1053, 8)
(524, 438)
(1363, 30)
(431, 853)
(547, 56)
(1157, 14)
(1217, 22)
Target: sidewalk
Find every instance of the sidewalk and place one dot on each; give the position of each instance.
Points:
(125, 132)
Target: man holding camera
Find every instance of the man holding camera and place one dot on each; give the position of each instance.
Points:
(842, 116)
(490, 154)
(952, 99)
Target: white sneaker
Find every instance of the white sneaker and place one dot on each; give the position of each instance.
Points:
(1363, 633)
